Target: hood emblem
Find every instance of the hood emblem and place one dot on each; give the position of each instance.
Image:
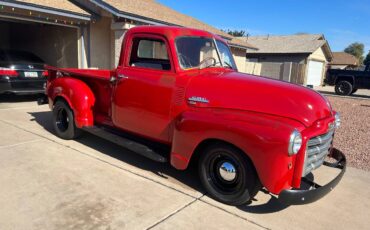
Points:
(195, 99)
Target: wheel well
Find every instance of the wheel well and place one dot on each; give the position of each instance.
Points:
(60, 98)
(205, 143)
(345, 78)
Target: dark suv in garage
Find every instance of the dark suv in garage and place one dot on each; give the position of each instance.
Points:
(21, 72)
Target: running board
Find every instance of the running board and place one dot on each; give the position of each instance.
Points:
(133, 146)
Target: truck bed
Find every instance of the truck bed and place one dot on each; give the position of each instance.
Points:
(84, 73)
(99, 82)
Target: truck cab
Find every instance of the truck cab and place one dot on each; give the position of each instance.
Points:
(176, 96)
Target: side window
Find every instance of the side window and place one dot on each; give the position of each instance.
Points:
(149, 53)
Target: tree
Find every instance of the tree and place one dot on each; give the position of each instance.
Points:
(357, 50)
(367, 59)
(236, 33)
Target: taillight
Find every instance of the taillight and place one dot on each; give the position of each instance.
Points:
(8, 72)
(45, 73)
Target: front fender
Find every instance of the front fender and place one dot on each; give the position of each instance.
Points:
(263, 138)
(77, 94)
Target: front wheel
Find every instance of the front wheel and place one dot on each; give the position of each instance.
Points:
(228, 175)
(343, 88)
(63, 121)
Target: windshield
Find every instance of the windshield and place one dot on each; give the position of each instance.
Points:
(201, 52)
(225, 55)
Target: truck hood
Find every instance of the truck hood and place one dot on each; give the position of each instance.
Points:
(238, 91)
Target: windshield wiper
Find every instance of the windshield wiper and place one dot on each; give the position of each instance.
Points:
(228, 65)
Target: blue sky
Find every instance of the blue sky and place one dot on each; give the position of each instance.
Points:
(342, 22)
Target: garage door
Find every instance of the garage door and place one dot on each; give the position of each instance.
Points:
(314, 74)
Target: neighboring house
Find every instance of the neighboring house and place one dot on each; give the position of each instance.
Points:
(88, 33)
(343, 60)
(311, 51)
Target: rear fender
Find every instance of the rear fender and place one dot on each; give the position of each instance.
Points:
(77, 94)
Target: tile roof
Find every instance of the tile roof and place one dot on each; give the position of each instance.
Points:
(147, 9)
(342, 58)
(301, 43)
(64, 5)
(152, 10)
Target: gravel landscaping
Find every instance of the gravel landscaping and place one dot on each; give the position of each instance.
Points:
(353, 137)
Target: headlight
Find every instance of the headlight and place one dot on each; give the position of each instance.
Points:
(337, 120)
(295, 142)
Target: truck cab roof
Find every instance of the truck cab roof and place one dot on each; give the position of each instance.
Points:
(171, 32)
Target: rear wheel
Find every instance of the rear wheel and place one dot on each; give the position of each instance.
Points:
(63, 121)
(343, 88)
(228, 175)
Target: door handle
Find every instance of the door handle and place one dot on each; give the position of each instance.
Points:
(121, 76)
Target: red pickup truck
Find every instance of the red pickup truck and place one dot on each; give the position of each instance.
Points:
(176, 96)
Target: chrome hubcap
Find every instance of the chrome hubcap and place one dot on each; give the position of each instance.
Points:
(227, 171)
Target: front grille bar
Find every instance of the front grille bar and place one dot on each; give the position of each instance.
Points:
(317, 149)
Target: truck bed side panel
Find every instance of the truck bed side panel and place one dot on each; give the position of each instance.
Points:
(98, 81)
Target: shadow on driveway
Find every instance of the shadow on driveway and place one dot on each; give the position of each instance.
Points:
(354, 96)
(187, 177)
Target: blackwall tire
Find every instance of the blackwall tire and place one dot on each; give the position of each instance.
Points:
(222, 185)
(343, 88)
(63, 121)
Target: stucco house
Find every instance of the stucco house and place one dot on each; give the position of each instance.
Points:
(343, 60)
(88, 33)
(310, 50)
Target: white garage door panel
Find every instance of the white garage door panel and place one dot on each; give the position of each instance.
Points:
(314, 74)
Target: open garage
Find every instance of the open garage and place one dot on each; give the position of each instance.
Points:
(55, 45)
(57, 36)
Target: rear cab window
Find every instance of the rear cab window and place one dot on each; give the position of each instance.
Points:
(150, 54)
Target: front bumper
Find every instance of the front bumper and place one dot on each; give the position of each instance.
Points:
(297, 196)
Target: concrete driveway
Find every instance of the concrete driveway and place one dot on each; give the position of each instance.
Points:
(49, 183)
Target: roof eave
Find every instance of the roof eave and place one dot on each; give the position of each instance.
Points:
(47, 10)
(281, 53)
(329, 53)
(116, 12)
(242, 47)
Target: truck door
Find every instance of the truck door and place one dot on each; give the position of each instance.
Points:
(143, 90)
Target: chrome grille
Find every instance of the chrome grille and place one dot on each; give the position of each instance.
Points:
(317, 149)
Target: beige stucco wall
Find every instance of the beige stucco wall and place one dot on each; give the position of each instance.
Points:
(240, 60)
(118, 33)
(100, 44)
(318, 55)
